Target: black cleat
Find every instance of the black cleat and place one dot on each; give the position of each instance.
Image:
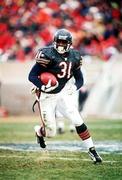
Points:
(40, 140)
(94, 155)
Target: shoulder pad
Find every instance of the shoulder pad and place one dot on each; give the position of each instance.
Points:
(78, 57)
(48, 52)
(41, 58)
(76, 54)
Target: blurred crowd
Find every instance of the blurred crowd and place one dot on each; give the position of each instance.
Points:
(27, 25)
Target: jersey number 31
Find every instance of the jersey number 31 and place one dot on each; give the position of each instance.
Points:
(65, 70)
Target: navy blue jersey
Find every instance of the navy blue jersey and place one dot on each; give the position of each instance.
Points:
(62, 66)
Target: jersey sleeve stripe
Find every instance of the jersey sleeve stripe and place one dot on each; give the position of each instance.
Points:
(41, 60)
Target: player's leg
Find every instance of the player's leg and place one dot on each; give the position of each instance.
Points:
(60, 117)
(47, 104)
(72, 113)
(82, 96)
(84, 134)
(40, 138)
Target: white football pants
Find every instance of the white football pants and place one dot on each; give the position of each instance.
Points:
(65, 103)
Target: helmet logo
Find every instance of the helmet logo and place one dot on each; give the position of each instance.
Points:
(62, 37)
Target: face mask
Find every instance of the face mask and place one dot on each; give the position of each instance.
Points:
(61, 49)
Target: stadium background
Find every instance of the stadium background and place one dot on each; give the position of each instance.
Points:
(96, 27)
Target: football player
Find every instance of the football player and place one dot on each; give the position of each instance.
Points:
(64, 62)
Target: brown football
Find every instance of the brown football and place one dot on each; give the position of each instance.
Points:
(46, 76)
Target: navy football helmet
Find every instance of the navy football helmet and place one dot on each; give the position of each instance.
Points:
(62, 41)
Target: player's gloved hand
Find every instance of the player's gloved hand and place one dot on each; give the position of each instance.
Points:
(49, 87)
(71, 89)
(34, 90)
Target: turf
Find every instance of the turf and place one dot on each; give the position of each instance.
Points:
(57, 165)
(21, 129)
(62, 165)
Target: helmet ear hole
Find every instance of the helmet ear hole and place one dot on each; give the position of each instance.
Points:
(62, 41)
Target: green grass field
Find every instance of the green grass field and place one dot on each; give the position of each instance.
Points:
(60, 165)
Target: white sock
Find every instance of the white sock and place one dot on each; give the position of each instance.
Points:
(88, 143)
(37, 130)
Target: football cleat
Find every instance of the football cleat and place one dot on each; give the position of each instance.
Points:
(40, 140)
(94, 155)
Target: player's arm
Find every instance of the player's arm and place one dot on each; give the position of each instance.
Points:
(79, 81)
(34, 73)
(78, 78)
(41, 65)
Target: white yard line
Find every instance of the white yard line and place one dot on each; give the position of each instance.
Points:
(55, 158)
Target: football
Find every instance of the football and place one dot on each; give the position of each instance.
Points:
(46, 76)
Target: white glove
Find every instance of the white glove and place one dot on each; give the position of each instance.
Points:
(34, 89)
(71, 89)
(48, 87)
